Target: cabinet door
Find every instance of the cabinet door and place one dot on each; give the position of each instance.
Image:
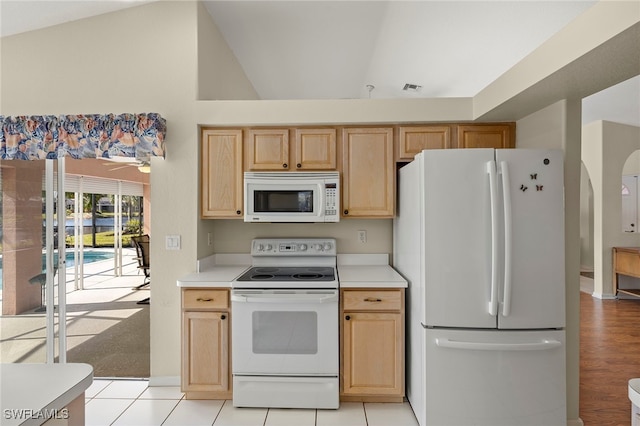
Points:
(486, 136)
(221, 173)
(315, 149)
(414, 139)
(205, 353)
(368, 172)
(267, 149)
(373, 354)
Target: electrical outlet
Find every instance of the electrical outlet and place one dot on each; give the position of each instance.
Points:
(362, 236)
(209, 239)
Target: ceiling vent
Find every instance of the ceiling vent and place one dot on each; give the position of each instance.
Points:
(411, 87)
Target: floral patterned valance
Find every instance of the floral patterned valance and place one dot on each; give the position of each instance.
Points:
(37, 137)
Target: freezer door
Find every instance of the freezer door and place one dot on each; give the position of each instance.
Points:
(532, 185)
(457, 238)
(494, 378)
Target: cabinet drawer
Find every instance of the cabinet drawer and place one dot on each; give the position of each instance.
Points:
(372, 300)
(205, 299)
(628, 263)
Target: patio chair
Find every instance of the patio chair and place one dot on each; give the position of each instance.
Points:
(141, 243)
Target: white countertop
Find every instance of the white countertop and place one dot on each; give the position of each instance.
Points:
(354, 270)
(370, 276)
(39, 389)
(214, 276)
(634, 391)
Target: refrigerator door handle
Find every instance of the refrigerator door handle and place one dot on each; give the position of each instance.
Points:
(543, 344)
(493, 197)
(506, 196)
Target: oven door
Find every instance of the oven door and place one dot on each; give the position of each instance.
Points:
(285, 332)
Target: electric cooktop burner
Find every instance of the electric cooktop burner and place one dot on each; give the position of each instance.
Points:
(289, 273)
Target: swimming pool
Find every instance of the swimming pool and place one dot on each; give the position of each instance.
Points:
(90, 256)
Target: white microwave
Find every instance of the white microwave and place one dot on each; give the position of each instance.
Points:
(291, 197)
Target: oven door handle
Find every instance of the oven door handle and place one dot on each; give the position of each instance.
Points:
(294, 298)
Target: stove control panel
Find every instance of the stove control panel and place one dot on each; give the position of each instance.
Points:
(293, 247)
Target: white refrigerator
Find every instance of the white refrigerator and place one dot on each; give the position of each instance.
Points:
(479, 235)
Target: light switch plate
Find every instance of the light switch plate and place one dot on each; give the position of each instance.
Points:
(172, 242)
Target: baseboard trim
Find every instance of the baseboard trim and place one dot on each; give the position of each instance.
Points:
(164, 381)
(575, 422)
(603, 296)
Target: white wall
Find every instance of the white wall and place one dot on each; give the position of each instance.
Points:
(606, 148)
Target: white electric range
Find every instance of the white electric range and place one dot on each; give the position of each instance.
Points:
(284, 333)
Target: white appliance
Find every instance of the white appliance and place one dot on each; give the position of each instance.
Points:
(479, 236)
(284, 331)
(291, 197)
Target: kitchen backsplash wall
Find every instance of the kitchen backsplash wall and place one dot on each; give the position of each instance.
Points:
(234, 236)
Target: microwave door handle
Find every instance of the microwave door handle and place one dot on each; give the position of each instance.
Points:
(323, 202)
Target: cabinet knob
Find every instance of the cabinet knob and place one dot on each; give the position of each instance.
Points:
(285, 165)
(238, 212)
(346, 212)
(348, 317)
(299, 165)
(223, 316)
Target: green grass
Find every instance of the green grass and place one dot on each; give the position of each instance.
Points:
(103, 239)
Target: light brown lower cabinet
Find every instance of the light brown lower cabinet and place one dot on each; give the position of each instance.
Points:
(206, 372)
(372, 345)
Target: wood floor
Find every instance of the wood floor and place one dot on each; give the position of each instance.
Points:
(609, 357)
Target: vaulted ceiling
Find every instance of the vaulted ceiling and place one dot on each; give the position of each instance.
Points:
(360, 49)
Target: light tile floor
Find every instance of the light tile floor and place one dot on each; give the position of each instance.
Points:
(132, 402)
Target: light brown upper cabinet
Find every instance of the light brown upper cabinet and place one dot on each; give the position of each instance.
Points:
(486, 135)
(267, 149)
(315, 149)
(221, 173)
(368, 172)
(414, 139)
(308, 149)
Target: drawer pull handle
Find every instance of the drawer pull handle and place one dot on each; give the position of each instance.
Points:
(371, 299)
(202, 299)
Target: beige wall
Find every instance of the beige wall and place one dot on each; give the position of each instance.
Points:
(606, 148)
(136, 60)
(558, 127)
(217, 63)
(234, 236)
(632, 165)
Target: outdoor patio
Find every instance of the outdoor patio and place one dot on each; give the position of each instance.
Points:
(105, 326)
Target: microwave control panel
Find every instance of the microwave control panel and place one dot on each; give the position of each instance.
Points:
(331, 197)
